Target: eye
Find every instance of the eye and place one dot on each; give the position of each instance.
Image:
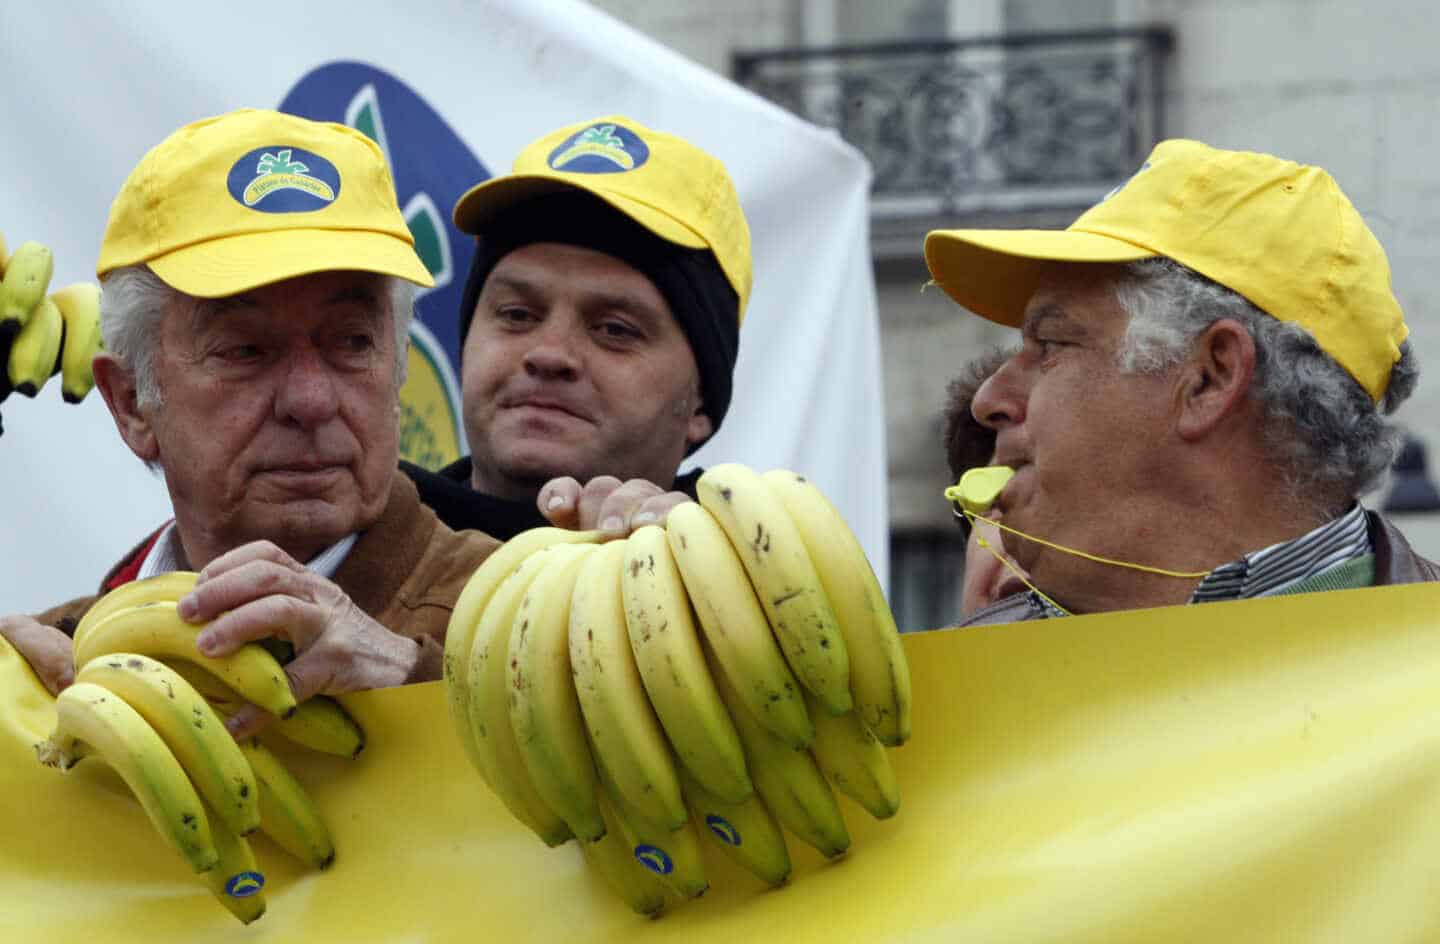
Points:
(616, 329)
(514, 315)
(239, 353)
(357, 343)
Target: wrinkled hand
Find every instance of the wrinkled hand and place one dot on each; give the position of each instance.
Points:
(257, 590)
(46, 648)
(606, 503)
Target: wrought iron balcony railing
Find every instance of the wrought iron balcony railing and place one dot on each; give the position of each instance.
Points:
(997, 123)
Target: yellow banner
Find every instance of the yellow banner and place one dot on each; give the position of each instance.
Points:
(1257, 771)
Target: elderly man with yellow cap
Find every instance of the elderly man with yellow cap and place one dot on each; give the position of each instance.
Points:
(1208, 359)
(599, 326)
(257, 286)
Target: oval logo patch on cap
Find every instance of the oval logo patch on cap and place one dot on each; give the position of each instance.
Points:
(283, 179)
(600, 149)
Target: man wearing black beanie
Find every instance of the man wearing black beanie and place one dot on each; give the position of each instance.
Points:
(599, 327)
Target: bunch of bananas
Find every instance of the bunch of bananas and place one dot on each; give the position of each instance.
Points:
(716, 675)
(42, 335)
(149, 704)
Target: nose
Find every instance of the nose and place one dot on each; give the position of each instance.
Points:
(1001, 399)
(306, 396)
(552, 355)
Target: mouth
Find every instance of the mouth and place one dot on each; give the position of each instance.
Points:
(546, 405)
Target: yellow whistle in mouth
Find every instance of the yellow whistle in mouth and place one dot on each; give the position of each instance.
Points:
(979, 487)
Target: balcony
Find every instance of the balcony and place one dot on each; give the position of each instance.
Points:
(1011, 130)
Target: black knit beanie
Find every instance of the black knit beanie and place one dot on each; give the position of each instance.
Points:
(704, 303)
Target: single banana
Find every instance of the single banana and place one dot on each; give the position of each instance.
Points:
(746, 832)
(288, 814)
(156, 629)
(27, 277)
(189, 727)
(854, 760)
(36, 349)
(94, 719)
(236, 880)
(320, 723)
(167, 587)
(79, 306)
(610, 855)
(625, 734)
(671, 661)
(789, 781)
(497, 755)
(544, 709)
(673, 855)
(785, 580)
(879, 671)
(734, 623)
(465, 618)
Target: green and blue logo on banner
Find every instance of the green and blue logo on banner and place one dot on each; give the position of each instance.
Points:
(432, 167)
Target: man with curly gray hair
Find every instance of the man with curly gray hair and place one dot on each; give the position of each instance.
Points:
(1209, 357)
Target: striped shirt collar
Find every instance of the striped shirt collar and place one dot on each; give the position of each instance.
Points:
(165, 556)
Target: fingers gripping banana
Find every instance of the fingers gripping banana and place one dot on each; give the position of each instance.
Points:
(497, 755)
(610, 855)
(190, 729)
(236, 880)
(879, 672)
(746, 832)
(544, 709)
(734, 623)
(156, 629)
(79, 306)
(167, 587)
(671, 661)
(785, 580)
(788, 780)
(288, 814)
(465, 618)
(624, 733)
(27, 277)
(94, 719)
(36, 349)
(854, 760)
(672, 855)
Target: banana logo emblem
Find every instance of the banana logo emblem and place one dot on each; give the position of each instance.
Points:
(723, 829)
(654, 859)
(277, 171)
(245, 884)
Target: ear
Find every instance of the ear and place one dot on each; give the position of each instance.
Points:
(1216, 378)
(700, 427)
(117, 386)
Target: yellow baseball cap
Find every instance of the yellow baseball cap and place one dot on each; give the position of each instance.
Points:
(240, 200)
(1281, 234)
(666, 184)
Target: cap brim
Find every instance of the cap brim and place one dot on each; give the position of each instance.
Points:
(994, 272)
(485, 201)
(240, 263)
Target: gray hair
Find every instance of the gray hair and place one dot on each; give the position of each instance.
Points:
(1322, 428)
(133, 298)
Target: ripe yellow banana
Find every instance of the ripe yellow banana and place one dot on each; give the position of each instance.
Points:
(189, 727)
(544, 709)
(785, 580)
(671, 661)
(734, 623)
(672, 855)
(625, 735)
(879, 672)
(497, 755)
(610, 855)
(854, 760)
(27, 277)
(789, 781)
(156, 629)
(168, 587)
(288, 814)
(36, 349)
(465, 618)
(746, 832)
(236, 880)
(79, 306)
(94, 719)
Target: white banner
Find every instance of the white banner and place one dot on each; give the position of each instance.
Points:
(90, 87)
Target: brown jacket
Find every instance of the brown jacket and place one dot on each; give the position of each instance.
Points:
(1395, 562)
(405, 571)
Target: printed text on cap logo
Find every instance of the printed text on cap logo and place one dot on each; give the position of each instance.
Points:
(600, 149)
(280, 179)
